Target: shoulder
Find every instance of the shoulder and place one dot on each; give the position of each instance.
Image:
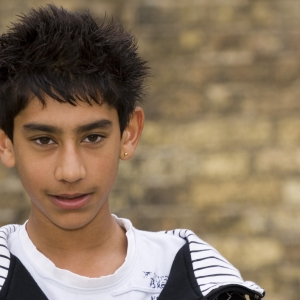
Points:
(5, 255)
(15, 280)
(154, 242)
(199, 271)
(157, 248)
(160, 237)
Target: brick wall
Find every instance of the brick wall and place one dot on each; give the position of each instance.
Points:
(220, 151)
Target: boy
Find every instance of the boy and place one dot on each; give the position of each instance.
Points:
(69, 89)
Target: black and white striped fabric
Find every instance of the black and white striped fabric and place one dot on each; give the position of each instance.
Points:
(4, 253)
(211, 269)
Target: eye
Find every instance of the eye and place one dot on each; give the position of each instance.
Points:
(44, 141)
(93, 138)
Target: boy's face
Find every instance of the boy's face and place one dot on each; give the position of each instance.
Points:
(67, 158)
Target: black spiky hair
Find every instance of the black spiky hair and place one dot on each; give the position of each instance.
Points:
(70, 57)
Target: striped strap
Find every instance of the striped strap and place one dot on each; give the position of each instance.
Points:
(5, 231)
(211, 269)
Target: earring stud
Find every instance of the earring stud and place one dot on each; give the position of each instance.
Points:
(125, 153)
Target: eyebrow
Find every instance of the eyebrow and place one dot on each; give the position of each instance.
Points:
(31, 127)
(100, 124)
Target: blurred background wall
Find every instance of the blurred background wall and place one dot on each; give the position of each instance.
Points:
(220, 152)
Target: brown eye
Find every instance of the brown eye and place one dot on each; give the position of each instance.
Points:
(93, 138)
(44, 141)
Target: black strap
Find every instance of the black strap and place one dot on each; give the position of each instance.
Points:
(181, 283)
(19, 284)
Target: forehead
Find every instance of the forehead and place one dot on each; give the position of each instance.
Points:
(64, 114)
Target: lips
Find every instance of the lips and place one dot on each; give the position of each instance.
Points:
(69, 196)
(70, 201)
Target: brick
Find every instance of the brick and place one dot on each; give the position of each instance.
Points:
(260, 191)
(218, 95)
(249, 253)
(210, 133)
(168, 167)
(293, 252)
(225, 165)
(288, 132)
(284, 222)
(252, 221)
(11, 184)
(291, 191)
(277, 101)
(14, 200)
(227, 58)
(289, 13)
(8, 215)
(262, 42)
(188, 103)
(287, 69)
(224, 14)
(191, 39)
(264, 13)
(4, 172)
(291, 273)
(281, 161)
(231, 218)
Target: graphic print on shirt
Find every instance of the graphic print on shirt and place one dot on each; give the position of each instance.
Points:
(156, 281)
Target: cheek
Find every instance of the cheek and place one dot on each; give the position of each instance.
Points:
(32, 173)
(105, 161)
(107, 167)
(104, 167)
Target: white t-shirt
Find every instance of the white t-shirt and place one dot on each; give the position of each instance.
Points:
(141, 277)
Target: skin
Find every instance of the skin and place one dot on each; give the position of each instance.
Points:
(70, 154)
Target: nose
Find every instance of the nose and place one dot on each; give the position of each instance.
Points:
(70, 167)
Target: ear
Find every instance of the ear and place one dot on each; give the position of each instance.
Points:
(7, 155)
(132, 134)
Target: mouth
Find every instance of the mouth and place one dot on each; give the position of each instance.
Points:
(71, 201)
(63, 197)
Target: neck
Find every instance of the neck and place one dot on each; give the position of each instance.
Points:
(85, 251)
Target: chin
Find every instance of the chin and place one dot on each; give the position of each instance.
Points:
(72, 223)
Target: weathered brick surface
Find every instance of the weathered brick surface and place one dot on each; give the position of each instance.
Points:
(220, 150)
